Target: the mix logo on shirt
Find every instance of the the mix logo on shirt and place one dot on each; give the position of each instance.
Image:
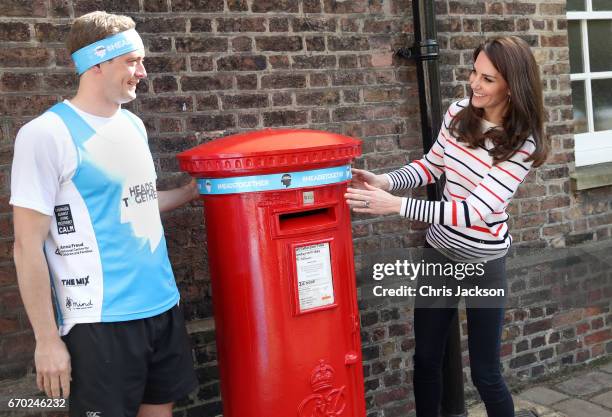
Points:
(75, 282)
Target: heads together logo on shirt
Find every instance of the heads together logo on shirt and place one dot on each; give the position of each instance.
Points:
(133, 178)
(140, 193)
(140, 208)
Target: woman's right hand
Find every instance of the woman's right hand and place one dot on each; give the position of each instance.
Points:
(361, 176)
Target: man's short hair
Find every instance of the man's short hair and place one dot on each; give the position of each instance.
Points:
(95, 26)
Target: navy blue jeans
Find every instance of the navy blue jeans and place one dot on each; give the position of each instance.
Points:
(431, 326)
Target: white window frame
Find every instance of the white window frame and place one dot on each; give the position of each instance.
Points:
(590, 147)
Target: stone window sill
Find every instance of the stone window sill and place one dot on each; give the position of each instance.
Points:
(591, 176)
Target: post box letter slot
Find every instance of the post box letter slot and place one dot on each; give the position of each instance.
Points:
(306, 219)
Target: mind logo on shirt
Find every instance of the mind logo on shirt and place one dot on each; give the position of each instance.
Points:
(72, 304)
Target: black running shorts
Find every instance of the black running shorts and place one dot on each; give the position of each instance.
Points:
(116, 366)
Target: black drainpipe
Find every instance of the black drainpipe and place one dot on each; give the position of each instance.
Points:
(425, 53)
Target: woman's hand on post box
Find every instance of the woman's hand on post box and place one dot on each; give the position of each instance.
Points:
(361, 176)
(372, 200)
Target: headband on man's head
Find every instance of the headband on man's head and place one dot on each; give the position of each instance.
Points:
(105, 49)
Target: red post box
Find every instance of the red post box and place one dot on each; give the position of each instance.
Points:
(283, 281)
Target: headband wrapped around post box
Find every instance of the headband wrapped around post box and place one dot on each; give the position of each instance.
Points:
(105, 49)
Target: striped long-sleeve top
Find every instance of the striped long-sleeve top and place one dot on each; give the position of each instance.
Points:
(470, 223)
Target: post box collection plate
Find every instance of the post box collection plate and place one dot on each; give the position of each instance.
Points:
(314, 276)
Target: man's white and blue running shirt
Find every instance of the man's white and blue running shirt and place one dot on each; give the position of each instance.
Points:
(106, 249)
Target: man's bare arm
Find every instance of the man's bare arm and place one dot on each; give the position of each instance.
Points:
(51, 356)
(171, 199)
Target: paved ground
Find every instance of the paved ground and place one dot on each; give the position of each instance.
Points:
(583, 394)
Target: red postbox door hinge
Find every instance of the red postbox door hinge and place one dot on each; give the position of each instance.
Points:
(354, 323)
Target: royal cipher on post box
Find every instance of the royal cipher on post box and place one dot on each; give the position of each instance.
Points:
(281, 262)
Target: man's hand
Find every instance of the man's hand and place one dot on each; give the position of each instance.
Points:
(51, 356)
(52, 367)
(171, 199)
(192, 188)
(361, 177)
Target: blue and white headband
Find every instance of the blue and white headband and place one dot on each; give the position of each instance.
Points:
(105, 49)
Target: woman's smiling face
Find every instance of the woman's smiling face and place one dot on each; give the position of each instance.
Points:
(489, 89)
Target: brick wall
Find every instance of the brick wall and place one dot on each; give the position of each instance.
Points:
(219, 67)
(215, 68)
(541, 337)
(545, 212)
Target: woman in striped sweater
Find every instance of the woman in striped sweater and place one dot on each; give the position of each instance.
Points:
(486, 147)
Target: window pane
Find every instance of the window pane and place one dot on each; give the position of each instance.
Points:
(580, 117)
(576, 5)
(601, 5)
(602, 104)
(575, 46)
(600, 33)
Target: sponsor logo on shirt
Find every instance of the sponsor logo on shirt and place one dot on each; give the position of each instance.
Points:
(63, 218)
(72, 304)
(140, 193)
(76, 282)
(72, 249)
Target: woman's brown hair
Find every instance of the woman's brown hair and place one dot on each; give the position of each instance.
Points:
(514, 60)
